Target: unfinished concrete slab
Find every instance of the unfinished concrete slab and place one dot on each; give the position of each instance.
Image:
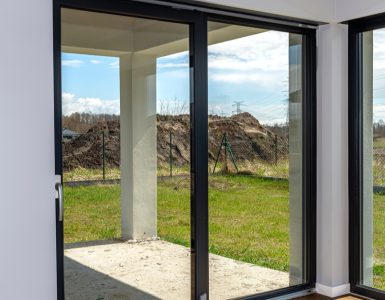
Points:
(156, 270)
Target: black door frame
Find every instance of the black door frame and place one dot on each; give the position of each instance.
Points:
(356, 29)
(197, 19)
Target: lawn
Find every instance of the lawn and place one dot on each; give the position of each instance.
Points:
(379, 240)
(249, 218)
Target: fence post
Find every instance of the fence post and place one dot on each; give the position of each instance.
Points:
(225, 168)
(103, 156)
(276, 149)
(171, 154)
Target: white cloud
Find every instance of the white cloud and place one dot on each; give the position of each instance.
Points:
(268, 79)
(266, 51)
(95, 62)
(178, 55)
(379, 67)
(72, 63)
(114, 64)
(72, 104)
(261, 58)
(173, 65)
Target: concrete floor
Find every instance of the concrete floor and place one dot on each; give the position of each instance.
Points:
(156, 270)
(321, 297)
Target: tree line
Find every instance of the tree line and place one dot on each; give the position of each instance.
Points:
(82, 122)
(379, 129)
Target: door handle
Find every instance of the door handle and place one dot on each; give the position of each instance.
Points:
(59, 189)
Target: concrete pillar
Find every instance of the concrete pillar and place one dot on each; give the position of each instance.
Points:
(332, 161)
(138, 145)
(295, 159)
(367, 124)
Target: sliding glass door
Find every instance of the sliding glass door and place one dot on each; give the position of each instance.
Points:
(126, 157)
(367, 159)
(255, 124)
(186, 145)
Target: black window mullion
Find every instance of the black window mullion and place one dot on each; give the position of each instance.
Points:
(199, 154)
(309, 163)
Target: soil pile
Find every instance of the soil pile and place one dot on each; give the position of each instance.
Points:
(246, 138)
(87, 150)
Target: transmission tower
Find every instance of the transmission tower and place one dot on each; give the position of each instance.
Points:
(238, 105)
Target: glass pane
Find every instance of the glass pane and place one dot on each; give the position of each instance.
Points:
(373, 239)
(126, 157)
(255, 160)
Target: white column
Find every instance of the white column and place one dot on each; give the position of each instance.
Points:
(295, 158)
(138, 146)
(367, 158)
(332, 161)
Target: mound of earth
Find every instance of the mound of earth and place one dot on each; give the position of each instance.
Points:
(87, 150)
(246, 137)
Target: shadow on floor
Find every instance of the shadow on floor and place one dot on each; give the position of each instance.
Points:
(83, 283)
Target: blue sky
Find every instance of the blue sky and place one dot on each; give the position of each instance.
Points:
(257, 75)
(379, 74)
(253, 69)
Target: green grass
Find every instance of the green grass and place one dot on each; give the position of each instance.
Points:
(249, 220)
(91, 213)
(257, 167)
(379, 240)
(248, 216)
(83, 174)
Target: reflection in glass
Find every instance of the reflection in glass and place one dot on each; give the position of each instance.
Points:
(127, 145)
(255, 160)
(373, 213)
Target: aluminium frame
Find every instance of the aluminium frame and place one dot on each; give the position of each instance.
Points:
(356, 29)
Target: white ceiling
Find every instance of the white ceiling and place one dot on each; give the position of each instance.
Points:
(329, 11)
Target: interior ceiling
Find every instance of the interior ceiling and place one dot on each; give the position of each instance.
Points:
(106, 34)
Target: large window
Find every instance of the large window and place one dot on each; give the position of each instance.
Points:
(367, 157)
(255, 159)
(188, 152)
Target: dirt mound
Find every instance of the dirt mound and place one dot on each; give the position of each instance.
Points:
(247, 139)
(87, 150)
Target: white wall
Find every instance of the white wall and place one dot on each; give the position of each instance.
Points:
(316, 10)
(348, 9)
(27, 226)
(332, 163)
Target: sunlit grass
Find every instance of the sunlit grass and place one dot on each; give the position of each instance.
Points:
(379, 240)
(257, 167)
(83, 174)
(248, 216)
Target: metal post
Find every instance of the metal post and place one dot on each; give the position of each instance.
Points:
(276, 149)
(171, 154)
(103, 156)
(225, 139)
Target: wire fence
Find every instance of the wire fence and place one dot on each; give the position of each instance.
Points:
(95, 156)
(232, 153)
(379, 162)
(91, 156)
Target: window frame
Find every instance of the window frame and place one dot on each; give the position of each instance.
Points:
(198, 20)
(355, 119)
